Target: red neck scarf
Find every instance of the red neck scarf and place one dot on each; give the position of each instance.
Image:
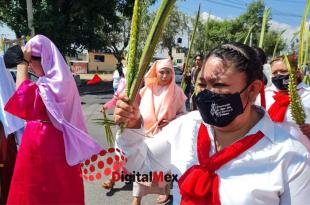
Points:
(279, 107)
(199, 185)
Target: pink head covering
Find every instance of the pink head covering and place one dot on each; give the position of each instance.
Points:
(170, 102)
(61, 98)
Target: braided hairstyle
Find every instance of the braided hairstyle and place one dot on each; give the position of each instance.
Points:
(242, 57)
(261, 55)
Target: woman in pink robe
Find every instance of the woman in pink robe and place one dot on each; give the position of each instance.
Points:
(41, 175)
(55, 140)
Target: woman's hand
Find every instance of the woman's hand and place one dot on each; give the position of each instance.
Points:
(27, 53)
(103, 108)
(22, 68)
(305, 129)
(127, 114)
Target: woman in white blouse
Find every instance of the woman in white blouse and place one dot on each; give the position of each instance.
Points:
(278, 102)
(228, 152)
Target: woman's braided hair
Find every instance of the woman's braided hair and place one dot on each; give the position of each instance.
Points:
(242, 57)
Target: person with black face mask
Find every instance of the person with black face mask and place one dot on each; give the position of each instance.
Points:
(277, 100)
(227, 152)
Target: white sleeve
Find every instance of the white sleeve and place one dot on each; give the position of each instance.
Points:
(307, 112)
(305, 99)
(145, 155)
(297, 187)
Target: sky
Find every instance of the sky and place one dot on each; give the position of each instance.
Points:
(284, 11)
(286, 14)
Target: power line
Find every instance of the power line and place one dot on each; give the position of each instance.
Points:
(280, 1)
(226, 4)
(234, 5)
(284, 13)
(291, 2)
(234, 2)
(279, 13)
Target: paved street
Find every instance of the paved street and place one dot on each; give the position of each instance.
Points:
(94, 194)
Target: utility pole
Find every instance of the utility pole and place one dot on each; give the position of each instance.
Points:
(30, 17)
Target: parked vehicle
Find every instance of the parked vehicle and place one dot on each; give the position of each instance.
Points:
(178, 74)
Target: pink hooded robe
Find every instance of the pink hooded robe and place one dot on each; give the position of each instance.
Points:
(55, 139)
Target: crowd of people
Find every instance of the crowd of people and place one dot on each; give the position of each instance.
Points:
(229, 136)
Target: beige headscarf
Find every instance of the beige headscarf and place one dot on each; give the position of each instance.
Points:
(172, 99)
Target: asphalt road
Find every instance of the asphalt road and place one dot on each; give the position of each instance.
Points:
(94, 194)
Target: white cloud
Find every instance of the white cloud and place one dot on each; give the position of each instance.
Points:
(275, 25)
(205, 15)
(290, 30)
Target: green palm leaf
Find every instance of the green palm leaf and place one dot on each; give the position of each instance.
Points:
(183, 84)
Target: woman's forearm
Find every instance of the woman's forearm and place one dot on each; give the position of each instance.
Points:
(22, 68)
(153, 154)
(22, 73)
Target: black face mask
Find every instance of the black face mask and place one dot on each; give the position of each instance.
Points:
(13, 56)
(280, 81)
(219, 109)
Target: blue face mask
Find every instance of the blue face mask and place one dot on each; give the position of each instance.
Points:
(219, 109)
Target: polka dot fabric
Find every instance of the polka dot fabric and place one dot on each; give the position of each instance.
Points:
(103, 164)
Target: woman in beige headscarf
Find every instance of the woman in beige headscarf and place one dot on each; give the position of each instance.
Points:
(161, 102)
(161, 98)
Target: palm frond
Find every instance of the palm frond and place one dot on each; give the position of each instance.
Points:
(183, 84)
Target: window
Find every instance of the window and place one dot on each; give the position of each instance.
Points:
(99, 58)
(179, 61)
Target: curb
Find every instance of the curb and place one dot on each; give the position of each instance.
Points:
(97, 92)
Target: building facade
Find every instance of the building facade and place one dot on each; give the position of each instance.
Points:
(93, 62)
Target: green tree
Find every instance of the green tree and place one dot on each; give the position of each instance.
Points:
(14, 14)
(118, 39)
(177, 24)
(270, 42)
(214, 32)
(71, 25)
(253, 16)
(217, 32)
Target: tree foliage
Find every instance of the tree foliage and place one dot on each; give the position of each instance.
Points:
(71, 25)
(177, 24)
(118, 38)
(105, 25)
(270, 42)
(214, 32)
